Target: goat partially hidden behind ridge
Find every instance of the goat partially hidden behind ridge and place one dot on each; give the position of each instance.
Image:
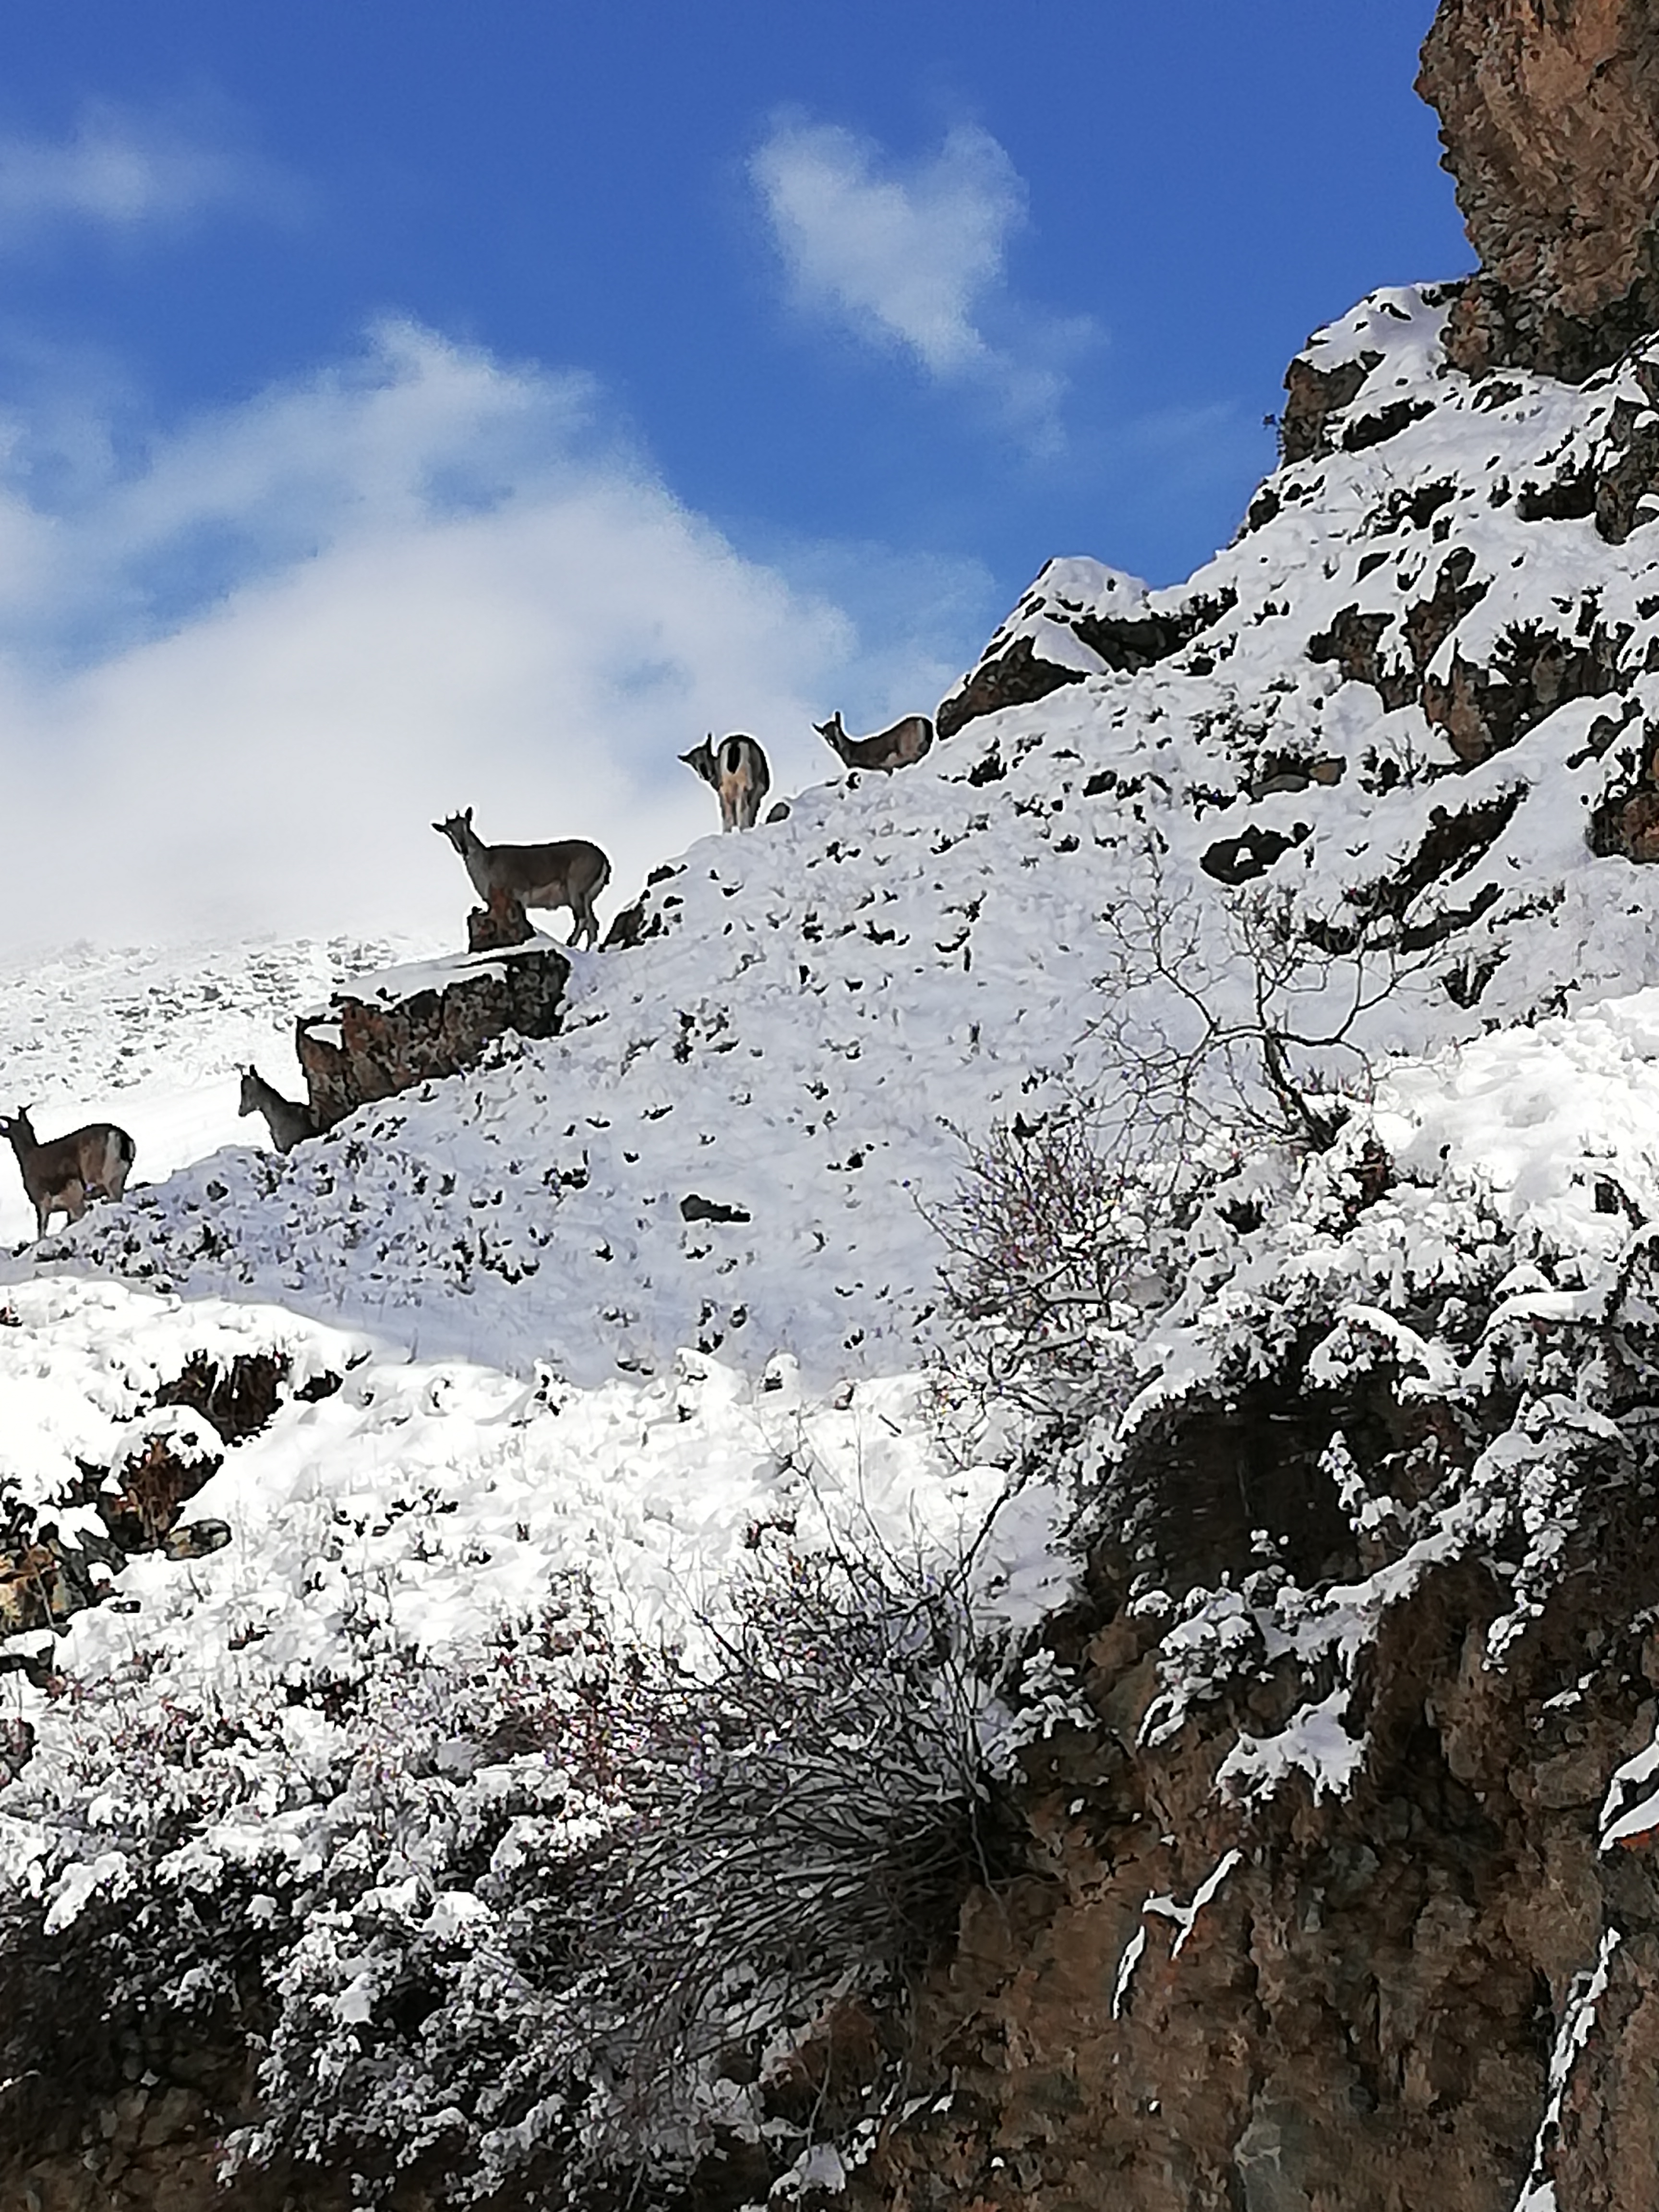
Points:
(289, 1122)
(901, 746)
(571, 873)
(737, 770)
(59, 1175)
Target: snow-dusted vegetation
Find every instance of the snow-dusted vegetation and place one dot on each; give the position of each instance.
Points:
(684, 1440)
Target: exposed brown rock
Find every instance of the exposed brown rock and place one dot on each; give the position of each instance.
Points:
(45, 1578)
(635, 925)
(1627, 824)
(1124, 643)
(386, 1033)
(1361, 2017)
(240, 1398)
(1013, 678)
(1549, 113)
(1241, 860)
(1312, 396)
(1484, 706)
(1455, 839)
(498, 926)
(140, 1501)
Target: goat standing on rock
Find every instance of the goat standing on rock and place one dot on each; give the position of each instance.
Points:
(571, 873)
(737, 772)
(901, 746)
(289, 1123)
(59, 1176)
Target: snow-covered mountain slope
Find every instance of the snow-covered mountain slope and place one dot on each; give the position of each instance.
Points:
(156, 1039)
(630, 1308)
(1394, 703)
(737, 1145)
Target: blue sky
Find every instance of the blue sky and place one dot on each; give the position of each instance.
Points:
(826, 324)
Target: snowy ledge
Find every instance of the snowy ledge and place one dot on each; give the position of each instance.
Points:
(404, 1026)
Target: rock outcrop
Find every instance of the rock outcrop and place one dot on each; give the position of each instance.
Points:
(386, 1033)
(1079, 619)
(1341, 1879)
(1550, 119)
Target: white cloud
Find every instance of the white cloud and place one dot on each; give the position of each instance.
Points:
(238, 681)
(123, 172)
(915, 256)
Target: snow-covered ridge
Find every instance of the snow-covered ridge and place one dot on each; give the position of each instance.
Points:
(632, 1306)
(819, 1004)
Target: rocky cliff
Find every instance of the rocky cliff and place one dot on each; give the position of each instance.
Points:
(1550, 116)
(386, 1033)
(1338, 1883)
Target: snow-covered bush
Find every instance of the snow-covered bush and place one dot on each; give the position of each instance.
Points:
(539, 1924)
(1228, 1037)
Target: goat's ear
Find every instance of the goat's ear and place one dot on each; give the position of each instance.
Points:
(467, 818)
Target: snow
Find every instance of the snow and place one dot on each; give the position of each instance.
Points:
(557, 1372)
(1315, 1743)
(1539, 2193)
(156, 1040)
(1185, 1917)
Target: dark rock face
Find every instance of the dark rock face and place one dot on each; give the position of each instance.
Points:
(1241, 860)
(1312, 396)
(1200, 1997)
(410, 1025)
(1549, 113)
(1017, 674)
(1013, 678)
(44, 1577)
(1485, 706)
(498, 926)
(1627, 824)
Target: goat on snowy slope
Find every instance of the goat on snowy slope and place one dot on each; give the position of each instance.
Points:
(289, 1123)
(737, 772)
(898, 747)
(59, 1176)
(570, 873)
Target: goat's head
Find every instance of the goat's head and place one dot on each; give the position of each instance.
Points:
(700, 760)
(831, 730)
(17, 1125)
(456, 828)
(249, 1103)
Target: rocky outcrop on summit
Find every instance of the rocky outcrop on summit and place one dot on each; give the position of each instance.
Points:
(1078, 619)
(1550, 119)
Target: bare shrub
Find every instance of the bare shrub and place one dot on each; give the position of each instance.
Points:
(817, 1806)
(1224, 1031)
(548, 1928)
(1048, 1246)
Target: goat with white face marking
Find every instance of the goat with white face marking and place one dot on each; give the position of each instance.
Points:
(60, 1175)
(571, 873)
(289, 1123)
(737, 770)
(901, 746)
